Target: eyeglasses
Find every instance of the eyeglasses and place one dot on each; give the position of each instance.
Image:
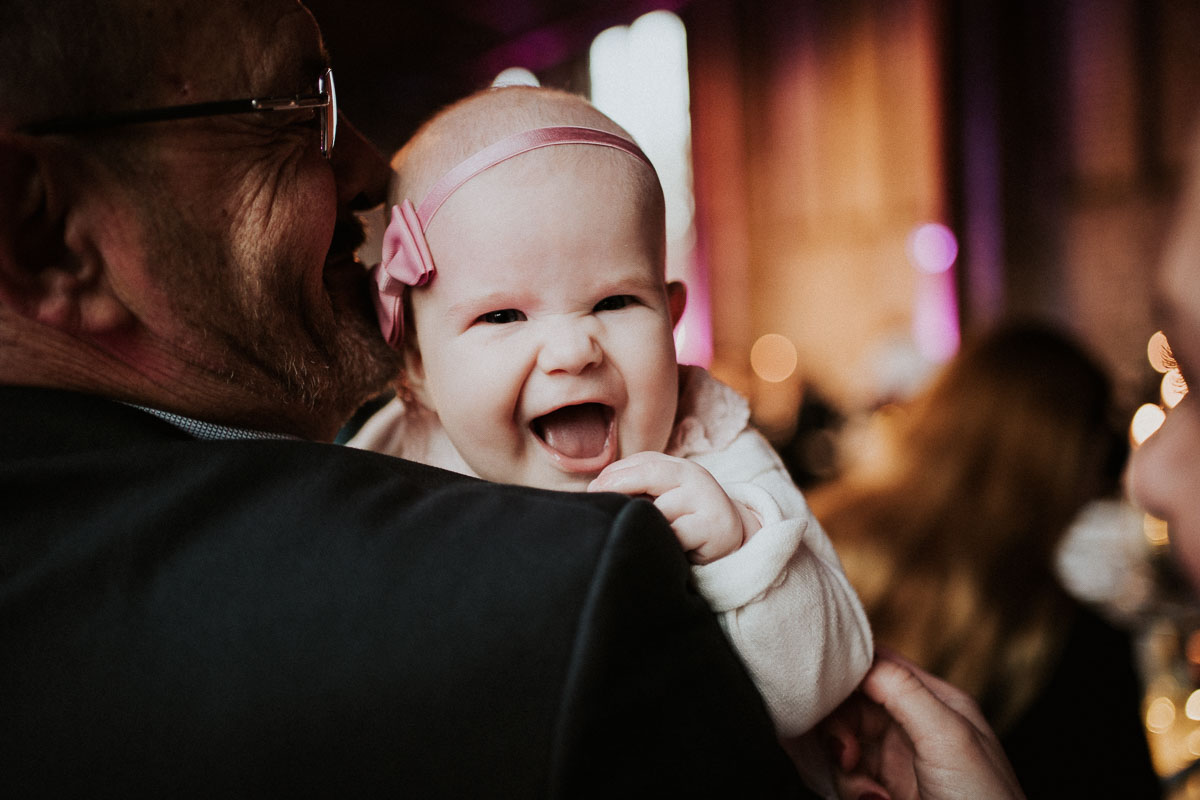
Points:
(323, 102)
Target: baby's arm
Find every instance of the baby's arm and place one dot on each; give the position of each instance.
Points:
(707, 522)
(766, 566)
(783, 598)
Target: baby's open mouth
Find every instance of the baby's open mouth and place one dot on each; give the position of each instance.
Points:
(579, 437)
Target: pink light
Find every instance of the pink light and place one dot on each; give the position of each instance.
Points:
(935, 316)
(932, 248)
(693, 334)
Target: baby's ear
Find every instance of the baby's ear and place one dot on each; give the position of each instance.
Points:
(676, 300)
(412, 377)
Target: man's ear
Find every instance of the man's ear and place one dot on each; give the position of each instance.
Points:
(676, 300)
(50, 268)
(30, 227)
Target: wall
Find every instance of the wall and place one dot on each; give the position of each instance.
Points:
(1048, 135)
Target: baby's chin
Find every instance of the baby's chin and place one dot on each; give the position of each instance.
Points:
(552, 479)
(570, 483)
(563, 482)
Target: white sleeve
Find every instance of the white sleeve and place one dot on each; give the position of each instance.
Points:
(782, 597)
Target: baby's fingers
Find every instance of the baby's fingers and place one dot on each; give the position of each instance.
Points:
(652, 474)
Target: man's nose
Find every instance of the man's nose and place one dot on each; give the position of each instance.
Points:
(570, 346)
(360, 170)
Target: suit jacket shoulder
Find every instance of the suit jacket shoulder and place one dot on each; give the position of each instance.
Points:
(183, 617)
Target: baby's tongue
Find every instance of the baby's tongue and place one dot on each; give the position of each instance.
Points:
(575, 431)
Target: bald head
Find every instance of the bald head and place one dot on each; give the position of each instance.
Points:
(482, 119)
(186, 264)
(79, 57)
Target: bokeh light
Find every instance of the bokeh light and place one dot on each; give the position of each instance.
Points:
(1155, 531)
(681, 336)
(773, 357)
(1193, 742)
(1146, 420)
(1157, 350)
(1173, 388)
(516, 76)
(1160, 715)
(638, 76)
(932, 248)
(1192, 707)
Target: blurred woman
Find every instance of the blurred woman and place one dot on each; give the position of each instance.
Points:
(909, 734)
(949, 528)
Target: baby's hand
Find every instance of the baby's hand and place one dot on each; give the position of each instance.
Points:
(707, 522)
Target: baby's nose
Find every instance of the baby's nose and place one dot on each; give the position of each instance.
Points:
(570, 346)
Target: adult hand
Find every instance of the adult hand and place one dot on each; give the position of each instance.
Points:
(907, 735)
(707, 522)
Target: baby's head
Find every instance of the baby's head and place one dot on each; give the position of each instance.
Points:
(542, 336)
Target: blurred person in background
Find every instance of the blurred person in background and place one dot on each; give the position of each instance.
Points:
(948, 527)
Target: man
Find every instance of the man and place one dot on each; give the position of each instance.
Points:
(196, 597)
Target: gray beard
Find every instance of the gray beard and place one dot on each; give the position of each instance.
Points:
(260, 335)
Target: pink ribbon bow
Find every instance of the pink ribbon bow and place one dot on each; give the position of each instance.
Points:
(406, 262)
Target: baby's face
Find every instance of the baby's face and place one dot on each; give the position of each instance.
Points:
(545, 338)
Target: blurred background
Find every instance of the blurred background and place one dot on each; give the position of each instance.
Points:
(855, 186)
(818, 137)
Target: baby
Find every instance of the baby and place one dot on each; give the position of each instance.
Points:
(527, 290)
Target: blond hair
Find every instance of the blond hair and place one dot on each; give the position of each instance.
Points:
(951, 542)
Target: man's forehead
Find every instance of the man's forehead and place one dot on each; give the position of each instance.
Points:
(270, 47)
(294, 45)
(306, 35)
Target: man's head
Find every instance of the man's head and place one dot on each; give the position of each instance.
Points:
(200, 265)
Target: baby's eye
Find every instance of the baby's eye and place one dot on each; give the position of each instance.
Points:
(614, 303)
(501, 317)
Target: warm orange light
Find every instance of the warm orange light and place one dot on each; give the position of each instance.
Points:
(1156, 350)
(1173, 388)
(773, 357)
(1160, 715)
(1192, 706)
(1193, 743)
(1146, 420)
(1155, 531)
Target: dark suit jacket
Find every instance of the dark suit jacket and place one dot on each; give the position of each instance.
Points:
(249, 618)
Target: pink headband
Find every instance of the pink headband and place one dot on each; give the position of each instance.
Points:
(406, 257)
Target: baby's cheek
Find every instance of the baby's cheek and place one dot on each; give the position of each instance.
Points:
(661, 424)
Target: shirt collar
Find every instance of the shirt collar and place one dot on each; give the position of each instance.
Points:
(209, 431)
